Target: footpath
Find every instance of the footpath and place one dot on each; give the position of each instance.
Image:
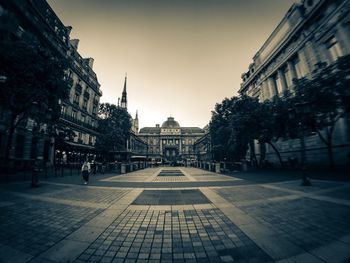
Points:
(176, 214)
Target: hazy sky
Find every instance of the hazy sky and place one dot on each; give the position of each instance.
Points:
(181, 56)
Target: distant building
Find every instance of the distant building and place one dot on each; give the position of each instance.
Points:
(170, 141)
(79, 111)
(202, 146)
(311, 32)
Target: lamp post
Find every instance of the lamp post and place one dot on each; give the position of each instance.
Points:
(300, 112)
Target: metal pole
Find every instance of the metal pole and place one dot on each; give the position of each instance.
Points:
(305, 181)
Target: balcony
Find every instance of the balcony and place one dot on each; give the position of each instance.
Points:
(78, 122)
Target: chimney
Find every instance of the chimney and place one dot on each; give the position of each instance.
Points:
(74, 43)
(69, 29)
(89, 61)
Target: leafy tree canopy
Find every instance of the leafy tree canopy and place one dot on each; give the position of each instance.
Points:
(114, 128)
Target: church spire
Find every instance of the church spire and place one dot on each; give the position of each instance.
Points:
(124, 100)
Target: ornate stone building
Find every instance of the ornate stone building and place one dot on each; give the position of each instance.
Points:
(171, 142)
(79, 111)
(312, 31)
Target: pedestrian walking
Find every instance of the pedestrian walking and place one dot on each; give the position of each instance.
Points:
(85, 170)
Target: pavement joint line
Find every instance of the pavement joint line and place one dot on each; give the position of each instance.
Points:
(69, 248)
(154, 175)
(89, 186)
(336, 251)
(263, 236)
(315, 195)
(189, 177)
(59, 200)
(267, 200)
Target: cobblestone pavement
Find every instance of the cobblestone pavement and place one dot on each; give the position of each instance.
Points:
(174, 215)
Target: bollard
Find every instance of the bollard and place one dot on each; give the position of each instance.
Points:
(217, 168)
(123, 168)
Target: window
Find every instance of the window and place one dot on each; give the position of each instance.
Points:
(334, 49)
(85, 103)
(74, 114)
(63, 110)
(76, 98)
(83, 118)
(94, 109)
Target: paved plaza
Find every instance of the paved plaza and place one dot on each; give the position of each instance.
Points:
(175, 214)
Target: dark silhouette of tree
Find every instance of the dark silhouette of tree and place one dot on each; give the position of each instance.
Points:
(326, 96)
(114, 127)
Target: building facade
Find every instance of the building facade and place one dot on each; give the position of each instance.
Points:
(170, 142)
(311, 32)
(202, 147)
(78, 112)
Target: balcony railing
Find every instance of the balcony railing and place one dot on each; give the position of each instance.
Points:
(78, 122)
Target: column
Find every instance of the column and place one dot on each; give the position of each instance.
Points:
(303, 63)
(272, 87)
(282, 78)
(266, 89)
(292, 74)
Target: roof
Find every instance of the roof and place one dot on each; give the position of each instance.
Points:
(170, 123)
(191, 130)
(150, 130)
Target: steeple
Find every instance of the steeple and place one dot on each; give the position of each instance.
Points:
(135, 123)
(124, 100)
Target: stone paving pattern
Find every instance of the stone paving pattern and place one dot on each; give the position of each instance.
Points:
(174, 236)
(227, 219)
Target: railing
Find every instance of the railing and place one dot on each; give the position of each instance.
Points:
(78, 122)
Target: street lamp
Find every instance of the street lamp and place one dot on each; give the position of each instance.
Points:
(299, 111)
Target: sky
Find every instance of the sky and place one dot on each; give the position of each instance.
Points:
(181, 56)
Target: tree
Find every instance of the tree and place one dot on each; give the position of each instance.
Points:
(33, 76)
(114, 127)
(274, 123)
(233, 126)
(326, 96)
(220, 130)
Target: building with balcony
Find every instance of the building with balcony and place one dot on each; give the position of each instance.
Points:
(79, 111)
(311, 32)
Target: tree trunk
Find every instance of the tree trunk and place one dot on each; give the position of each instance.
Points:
(278, 154)
(328, 142)
(252, 154)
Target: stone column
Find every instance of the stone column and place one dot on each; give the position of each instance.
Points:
(303, 62)
(282, 78)
(272, 87)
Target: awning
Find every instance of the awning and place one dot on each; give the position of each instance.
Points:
(78, 145)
